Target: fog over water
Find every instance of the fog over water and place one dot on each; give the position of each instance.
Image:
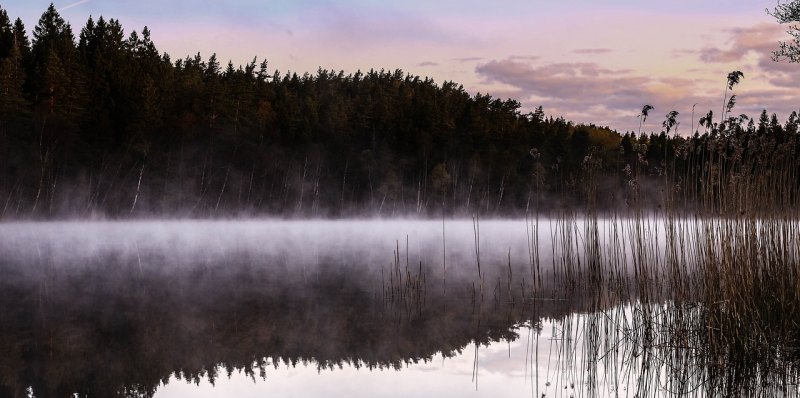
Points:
(360, 307)
(367, 243)
(183, 297)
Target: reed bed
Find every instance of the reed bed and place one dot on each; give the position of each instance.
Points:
(695, 295)
(705, 283)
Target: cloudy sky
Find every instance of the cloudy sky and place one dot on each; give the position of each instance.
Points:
(589, 61)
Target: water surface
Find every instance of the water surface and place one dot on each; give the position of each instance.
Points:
(349, 308)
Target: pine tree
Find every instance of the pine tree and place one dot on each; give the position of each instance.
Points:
(60, 89)
(23, 44)
(6, 34)
(763, 122)
(13, 106)
(14, 109)
(52, 33)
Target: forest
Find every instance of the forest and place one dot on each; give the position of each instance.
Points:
(100, 124)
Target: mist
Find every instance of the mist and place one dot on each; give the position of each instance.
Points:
(379, 291)
(310, 243)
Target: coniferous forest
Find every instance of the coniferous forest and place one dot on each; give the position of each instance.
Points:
(429, 231)
(97, 122)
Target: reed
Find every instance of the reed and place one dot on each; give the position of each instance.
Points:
(712, 286)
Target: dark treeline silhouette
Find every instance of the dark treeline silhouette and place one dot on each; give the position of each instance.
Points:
(102, 124)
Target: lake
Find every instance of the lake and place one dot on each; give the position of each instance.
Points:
(547, 307)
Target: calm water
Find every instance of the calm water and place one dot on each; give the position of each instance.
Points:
(330, 308)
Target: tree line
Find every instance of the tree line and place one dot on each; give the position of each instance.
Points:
(105, 125)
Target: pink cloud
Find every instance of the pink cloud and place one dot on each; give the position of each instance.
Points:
(760, 39)
(568, 80)
(594, 93)
(589, 93)
(593, 51)
(468, 59)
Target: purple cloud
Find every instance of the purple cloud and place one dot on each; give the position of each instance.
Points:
(590, 93)
(524, 57)
(593, 51)
(761, 39)
(468, 59)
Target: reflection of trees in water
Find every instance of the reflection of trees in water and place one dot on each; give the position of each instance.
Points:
(122, 325)
(102, 330)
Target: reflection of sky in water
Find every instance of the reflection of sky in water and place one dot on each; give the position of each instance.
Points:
(191, 295)
(499, 376)
(529, 366)
(367, 244)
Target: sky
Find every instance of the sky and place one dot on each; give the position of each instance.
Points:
(589, 61)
